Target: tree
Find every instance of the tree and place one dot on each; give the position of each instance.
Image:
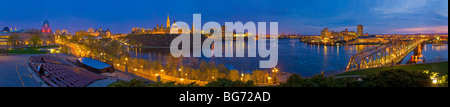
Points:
(223, 69)
(35, 40)
(132, 83)
(259, 76)
(90, 39)
(113, 48)
(223, 82)
(171, 70)
(14, 40)
(63, 38)
(51, 38)
(398, 78)
(75, 38)
(295, 80)
(234, 75)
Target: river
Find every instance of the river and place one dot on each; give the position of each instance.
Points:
(295, 57)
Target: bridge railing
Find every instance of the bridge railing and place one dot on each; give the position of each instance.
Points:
(384, 55)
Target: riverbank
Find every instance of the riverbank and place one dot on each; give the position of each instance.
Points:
(28, 50)
(338, 43)
(441, 68)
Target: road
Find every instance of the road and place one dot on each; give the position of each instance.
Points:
(14, 73)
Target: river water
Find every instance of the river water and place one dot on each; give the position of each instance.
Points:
(295, 57)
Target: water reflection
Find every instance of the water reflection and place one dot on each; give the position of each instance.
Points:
(293, 56)
(438, 53)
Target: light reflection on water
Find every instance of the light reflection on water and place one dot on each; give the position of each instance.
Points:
(429, 53)
(293, 56)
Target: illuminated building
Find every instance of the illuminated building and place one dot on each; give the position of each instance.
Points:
(160, 29)
(64, 32)
(57, 32)
(168, 21)
(135, 29)
(4, 38)
(100, 32)
(325, 33)
(46, 28)
(371, 39)
(333, 36)
(91, 31)
(348, 35)
(5, 29)
(360, 30)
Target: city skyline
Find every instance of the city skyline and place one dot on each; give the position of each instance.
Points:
(304, 17)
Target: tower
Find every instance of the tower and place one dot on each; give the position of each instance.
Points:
(325, 33)
(174, 23)
(168, 21)
(46, 27)
(360, 30)
(193, 28)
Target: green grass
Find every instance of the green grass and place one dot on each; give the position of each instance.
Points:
(441, 68)
(26, 51)
(48, 46)
(30, 50)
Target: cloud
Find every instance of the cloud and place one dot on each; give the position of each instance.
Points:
(433, 29)
(394, 8)
(443, 9)
(390, 7)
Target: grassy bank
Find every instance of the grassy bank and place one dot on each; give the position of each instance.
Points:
(26, 51)
(48, 46)
(441, 68)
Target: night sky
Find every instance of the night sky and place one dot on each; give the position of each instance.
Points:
(294, 16)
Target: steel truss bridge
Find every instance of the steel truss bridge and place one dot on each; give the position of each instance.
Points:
(385, 55)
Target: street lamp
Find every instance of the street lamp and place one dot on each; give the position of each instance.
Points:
(434, 80)
(275, 72)
(181, 73)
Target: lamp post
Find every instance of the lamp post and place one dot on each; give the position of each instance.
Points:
(181, 73)
(275, 74)
(126, 66)
(142, 69)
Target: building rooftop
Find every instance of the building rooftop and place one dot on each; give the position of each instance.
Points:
(5, 33)
(93, 63)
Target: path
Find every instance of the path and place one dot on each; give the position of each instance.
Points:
(13, 72)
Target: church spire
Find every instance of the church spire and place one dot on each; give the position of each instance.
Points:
(193, 27)
(168, 21)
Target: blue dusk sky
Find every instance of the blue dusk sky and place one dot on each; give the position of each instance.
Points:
(294, 16)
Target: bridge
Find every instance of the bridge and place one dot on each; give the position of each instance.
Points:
(389, 54)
